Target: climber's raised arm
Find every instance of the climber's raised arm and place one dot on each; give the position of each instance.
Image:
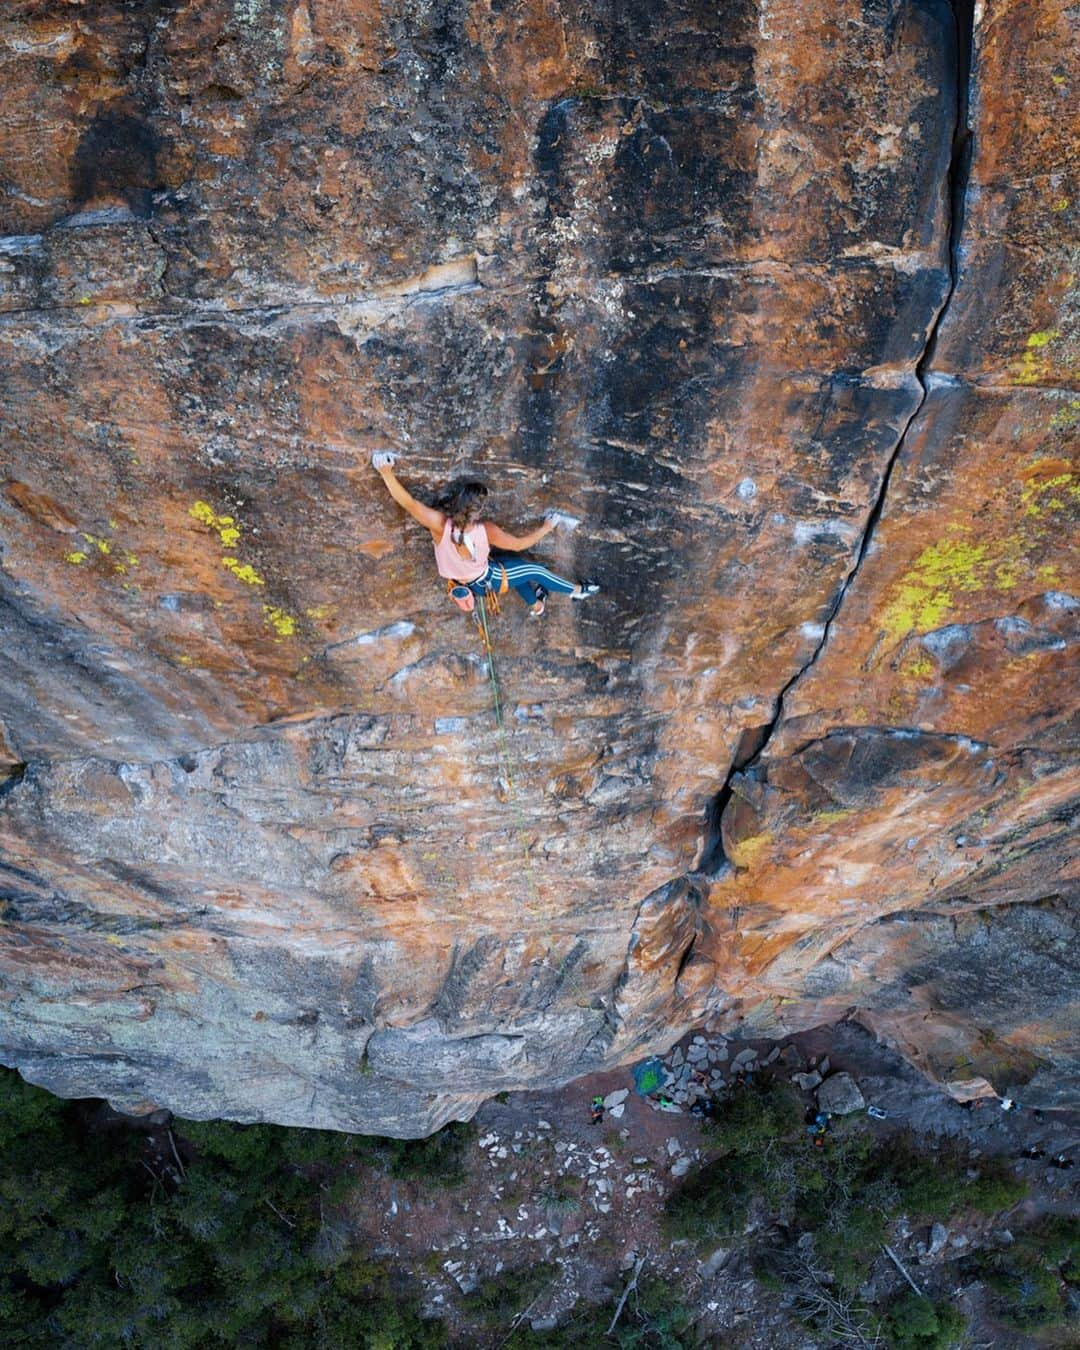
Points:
(431, 519)
(475, 557)
(515, 543)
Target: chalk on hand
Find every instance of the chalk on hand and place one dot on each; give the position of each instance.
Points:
(383, 459)
(561, 519)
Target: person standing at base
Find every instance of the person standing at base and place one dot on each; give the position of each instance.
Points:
(477, 556)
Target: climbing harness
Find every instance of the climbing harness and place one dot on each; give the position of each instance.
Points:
(465, 597)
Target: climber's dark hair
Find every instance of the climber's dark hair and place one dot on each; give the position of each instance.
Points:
(462, 500)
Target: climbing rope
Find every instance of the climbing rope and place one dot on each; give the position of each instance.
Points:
(506, 758)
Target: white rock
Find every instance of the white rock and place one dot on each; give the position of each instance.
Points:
(616, 1098)
(806, 1081)
(715, 1262)
(681, 1166)
(673, 1146)
(840, 1095)
(617, 1111)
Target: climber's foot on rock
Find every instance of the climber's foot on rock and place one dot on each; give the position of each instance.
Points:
(584, 590)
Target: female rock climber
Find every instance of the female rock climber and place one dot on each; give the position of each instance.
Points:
(476, 554)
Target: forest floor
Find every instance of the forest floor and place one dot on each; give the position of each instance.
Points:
(548, 1189)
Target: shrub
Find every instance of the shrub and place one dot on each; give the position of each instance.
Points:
(939, 1185)
(496, 1302)
(653, 1318)
(1031, 1280)
(759, 1130)
(1027, 1294)
(438, 1160)
(915, 1323)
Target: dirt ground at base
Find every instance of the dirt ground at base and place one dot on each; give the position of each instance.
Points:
(545, 1184)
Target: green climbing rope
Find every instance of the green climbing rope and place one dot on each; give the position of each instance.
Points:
(511, 787)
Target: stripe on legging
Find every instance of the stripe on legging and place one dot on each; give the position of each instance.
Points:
(524, 571)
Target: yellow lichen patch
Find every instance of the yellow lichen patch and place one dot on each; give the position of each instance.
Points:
(76, 557)
(1066, 418)
(1033, 367)
(830, 817)
(226, 526)
(1046, 488)
(243, 571)
(1049, 575)
(1007, 574)
(918, 667)
(747, 851)
(102, 545)
(228, 531)
(283, 624)
(318, 611)
(1060, 204)
(923, 597)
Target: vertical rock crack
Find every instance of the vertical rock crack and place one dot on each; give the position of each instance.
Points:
(713, 861)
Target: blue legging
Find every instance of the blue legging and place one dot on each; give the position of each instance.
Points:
(524, 574)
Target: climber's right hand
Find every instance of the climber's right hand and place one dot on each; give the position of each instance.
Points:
(382, 461)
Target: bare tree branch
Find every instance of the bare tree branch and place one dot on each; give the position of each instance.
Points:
(176, 1155)
(627, 1292)
(899, 1266)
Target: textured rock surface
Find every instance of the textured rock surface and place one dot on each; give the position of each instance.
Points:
(710, 277)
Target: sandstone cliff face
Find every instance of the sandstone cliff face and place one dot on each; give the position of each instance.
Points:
(732, 283)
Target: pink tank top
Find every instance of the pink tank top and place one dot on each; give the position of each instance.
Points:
(450, 562)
